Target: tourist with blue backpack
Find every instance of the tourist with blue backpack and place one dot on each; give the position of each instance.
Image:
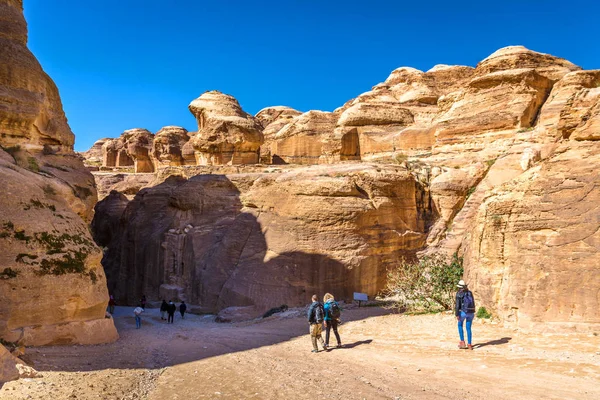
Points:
(332, 318)
(464, 311)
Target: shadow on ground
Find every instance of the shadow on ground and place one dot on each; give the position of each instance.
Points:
(496, 342)
(158, 344)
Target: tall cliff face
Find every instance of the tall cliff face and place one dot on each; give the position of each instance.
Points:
(52, 285)
(261, 240)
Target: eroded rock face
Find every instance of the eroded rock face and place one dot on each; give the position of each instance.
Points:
(273, 119)
(167, 146)
(307, 139)
(31, 113)
(261, 240)
(138, 143)
(52, 285)
(535, 252)
(50, 265)
(94, 156)
(226, 134)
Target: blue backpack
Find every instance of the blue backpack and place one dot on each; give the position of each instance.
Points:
(334, 310)
(468, 303)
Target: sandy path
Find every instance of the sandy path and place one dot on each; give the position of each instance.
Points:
(385, 357)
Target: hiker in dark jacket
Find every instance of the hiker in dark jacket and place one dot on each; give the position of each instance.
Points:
(182, 308)
(171, 308)
(163, 309)
(332, 311)
(315, 320)
(464, 309)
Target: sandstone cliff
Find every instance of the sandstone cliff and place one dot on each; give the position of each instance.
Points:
(51, 282)
(488, 147)
(262, 239)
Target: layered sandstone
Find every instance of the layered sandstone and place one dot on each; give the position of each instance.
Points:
(273, 119)
(226, 134)
(534, 254)
(52, 285)
(264, 239)
(31, 113)
(167, 146)
(307, 139)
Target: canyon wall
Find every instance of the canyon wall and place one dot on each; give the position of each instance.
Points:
(503, 155)
(52, 284)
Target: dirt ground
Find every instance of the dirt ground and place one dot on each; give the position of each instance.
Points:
(384, 357)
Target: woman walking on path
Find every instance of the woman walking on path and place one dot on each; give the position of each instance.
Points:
(464, 310)
(332, 318)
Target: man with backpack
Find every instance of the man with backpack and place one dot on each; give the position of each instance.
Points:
(464, 310)
(332, 318)
(315, 320)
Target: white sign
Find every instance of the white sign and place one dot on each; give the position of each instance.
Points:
(360, 297)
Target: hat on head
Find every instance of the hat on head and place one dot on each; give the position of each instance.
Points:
(461, 284)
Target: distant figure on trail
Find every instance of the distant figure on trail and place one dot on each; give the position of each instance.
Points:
(143, 302)
(464, 310)
(315, 320)
(182, 308)
(332, 318)
(163, 309)
(138, 316)
(111, 304)
(171, 310)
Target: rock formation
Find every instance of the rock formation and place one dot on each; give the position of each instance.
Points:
(226, 134)
(52, 285)
(94, 156)
(501, 162)
(307, 139)
(223, 241)
(273, 119)
(167, 146)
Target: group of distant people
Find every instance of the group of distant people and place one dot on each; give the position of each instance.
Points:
(165, 308)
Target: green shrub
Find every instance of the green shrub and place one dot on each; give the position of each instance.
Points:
(32, 164)
(490, 162)
(426, 285)
(482, 312)
(400, 158)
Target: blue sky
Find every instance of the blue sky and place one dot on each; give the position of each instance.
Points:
(138, 63)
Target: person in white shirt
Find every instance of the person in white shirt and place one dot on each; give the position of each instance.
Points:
(138, 316)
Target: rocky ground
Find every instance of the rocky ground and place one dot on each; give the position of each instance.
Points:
(384, 357)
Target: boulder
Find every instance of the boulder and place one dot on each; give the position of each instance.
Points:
(226, 134)
(94, 156)
(8, 366)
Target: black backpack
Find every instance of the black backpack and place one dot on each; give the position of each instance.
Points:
(334, 310)
(468, 303)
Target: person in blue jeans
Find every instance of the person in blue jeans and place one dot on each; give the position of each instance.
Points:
(138, 316)
(464, 310)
